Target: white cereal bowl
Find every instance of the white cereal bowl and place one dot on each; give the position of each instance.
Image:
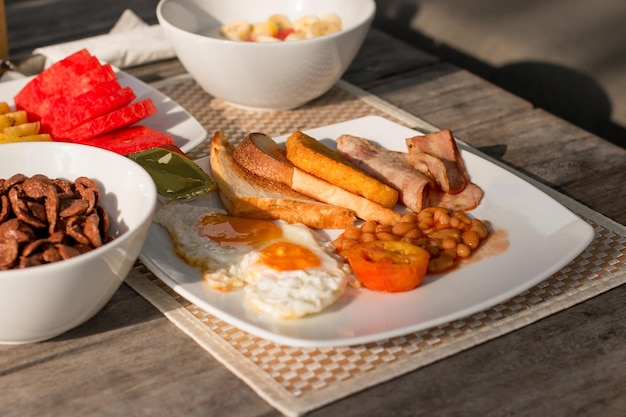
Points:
(41, 302)
(269, 76)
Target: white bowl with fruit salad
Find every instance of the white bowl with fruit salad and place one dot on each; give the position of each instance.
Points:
(270, 54)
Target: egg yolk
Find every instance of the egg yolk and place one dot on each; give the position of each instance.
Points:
(288, 256)
(237, 231)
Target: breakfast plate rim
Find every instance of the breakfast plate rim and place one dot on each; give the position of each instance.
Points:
(486, 283)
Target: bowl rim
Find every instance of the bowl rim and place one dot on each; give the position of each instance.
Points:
(365, 21)
(145, 214)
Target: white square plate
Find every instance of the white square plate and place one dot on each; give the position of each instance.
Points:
(544, 236)
(170, 118)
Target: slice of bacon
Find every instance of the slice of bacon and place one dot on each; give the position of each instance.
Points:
(466, 200)
(391, 167)
(437, 155)
(445, 173)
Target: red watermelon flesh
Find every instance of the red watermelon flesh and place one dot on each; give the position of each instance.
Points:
(89, 80)
(62, 74)
(131, 139)
(79, 100)
(62, 79)
(30, 99)
(122, 117)
(74, 111)
(57, 76)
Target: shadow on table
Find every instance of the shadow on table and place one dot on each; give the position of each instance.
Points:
(560, 90)
(32, 23)
(125, 309)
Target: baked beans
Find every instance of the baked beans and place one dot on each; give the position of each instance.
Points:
(447, 235)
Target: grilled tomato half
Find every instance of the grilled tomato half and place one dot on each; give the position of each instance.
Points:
(390, 266)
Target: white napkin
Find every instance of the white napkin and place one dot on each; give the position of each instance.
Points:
(10, 76)
(130, 42)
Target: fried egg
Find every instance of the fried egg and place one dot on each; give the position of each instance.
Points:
(287, 271)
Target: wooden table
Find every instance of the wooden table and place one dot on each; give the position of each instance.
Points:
(572, 363)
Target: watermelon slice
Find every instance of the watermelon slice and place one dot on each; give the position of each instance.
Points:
(44, 108)
(63, 74)
(80, 100)
(89, 80)
(122, 117)
(131, 139)
(56, 78)
(74, 111)
(30, 99)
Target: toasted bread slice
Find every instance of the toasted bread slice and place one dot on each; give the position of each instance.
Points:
(261, 155)
(312, 156)
(329, 193)
(245, 194)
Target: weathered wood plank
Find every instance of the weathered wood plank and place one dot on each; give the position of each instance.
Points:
(559, 154)
(448, 97)
(127, 360)
(157, 70)
(371, 65)
(569, 364)
(31, 24)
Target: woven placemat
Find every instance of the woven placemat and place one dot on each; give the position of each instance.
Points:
(298, 380)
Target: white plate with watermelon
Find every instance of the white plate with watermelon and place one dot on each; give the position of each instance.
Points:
(170, 118)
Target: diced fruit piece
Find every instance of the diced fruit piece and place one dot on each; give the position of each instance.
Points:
(283, 33)
(4, 107)
(130, 139)
(22, 129)
(13, 118)
(108, 122)
(29, 138)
